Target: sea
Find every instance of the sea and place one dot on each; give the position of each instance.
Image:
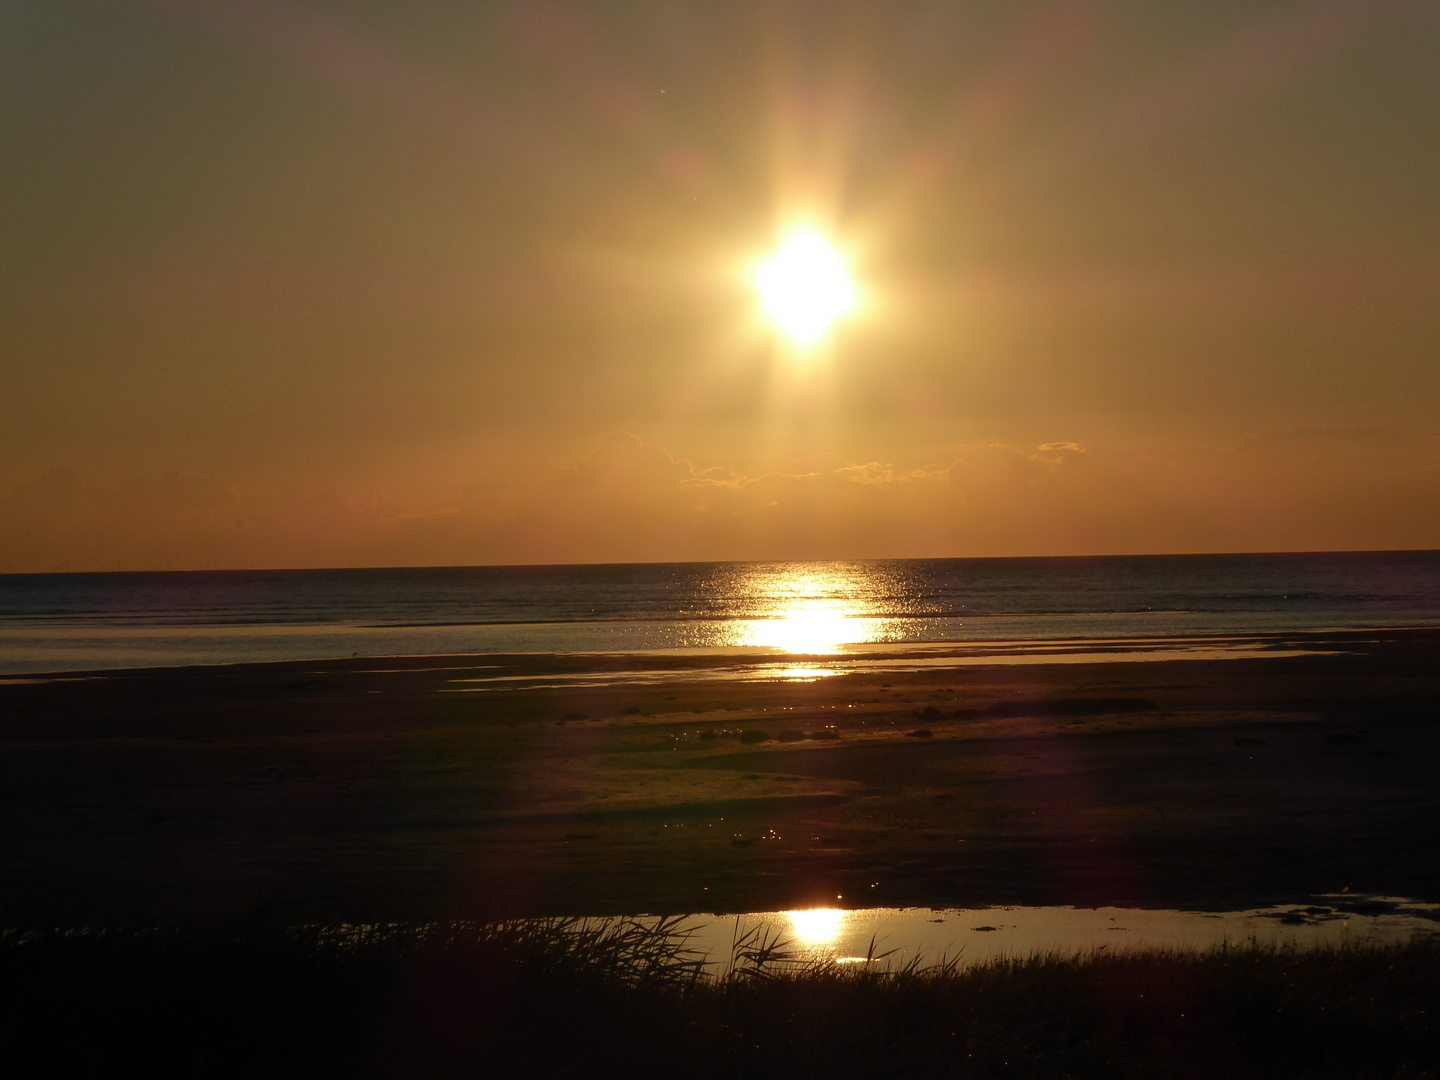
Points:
(93, 621)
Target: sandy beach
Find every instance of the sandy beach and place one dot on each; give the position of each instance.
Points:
(466, 787)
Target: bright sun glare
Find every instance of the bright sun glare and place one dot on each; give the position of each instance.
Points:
(819, 926)
(812, 628)
(805, 287)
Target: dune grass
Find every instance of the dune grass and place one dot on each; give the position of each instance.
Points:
(622, 997)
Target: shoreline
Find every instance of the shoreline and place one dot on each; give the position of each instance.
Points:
(83, 649)
(855, 654)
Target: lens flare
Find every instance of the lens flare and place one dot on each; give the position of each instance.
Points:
(805, 287)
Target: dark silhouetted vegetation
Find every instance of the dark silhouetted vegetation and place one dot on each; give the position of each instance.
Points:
(625, 998)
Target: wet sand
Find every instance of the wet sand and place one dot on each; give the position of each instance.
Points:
(364, 790)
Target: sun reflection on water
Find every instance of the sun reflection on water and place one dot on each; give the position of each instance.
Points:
(817, 927)
(813, 628)
(813, 611)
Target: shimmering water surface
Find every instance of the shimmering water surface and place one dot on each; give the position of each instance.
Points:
(899, 935)
(56, 622)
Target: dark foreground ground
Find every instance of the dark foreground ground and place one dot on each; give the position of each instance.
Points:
(544, 1001)
(363, 790)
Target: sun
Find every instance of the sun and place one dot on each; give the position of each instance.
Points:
(805, 287)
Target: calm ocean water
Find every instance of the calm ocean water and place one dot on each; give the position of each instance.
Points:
(53, 622)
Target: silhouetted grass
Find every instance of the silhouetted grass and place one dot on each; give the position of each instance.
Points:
(625, 998)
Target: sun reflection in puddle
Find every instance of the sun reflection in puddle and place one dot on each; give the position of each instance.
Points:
(817, 927)
(895, 936)
(796, 672)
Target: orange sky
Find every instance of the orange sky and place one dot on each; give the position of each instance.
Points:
(312, 283)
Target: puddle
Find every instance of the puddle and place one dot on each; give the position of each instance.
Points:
(898, 935)
(947, 656)
(8, 680)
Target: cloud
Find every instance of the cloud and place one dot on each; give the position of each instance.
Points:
(625, 500)
(875, 474)
(630, 499)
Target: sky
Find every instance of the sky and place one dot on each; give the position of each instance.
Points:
(430, 282)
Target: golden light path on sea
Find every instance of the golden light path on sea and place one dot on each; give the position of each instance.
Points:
(813, 612)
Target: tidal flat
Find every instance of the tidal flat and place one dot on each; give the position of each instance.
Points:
(487, 865)
(364, 790)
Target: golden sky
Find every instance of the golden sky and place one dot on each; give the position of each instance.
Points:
(310, 283)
